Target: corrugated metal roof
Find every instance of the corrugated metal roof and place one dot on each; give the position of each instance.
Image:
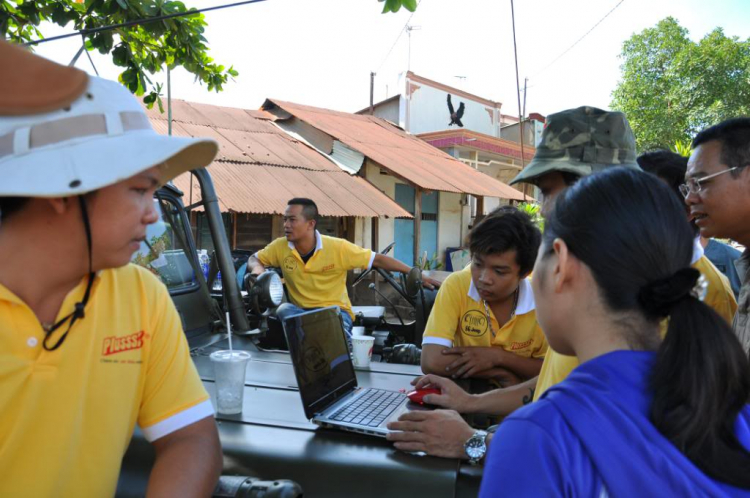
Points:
(401, 153)
(260, 167)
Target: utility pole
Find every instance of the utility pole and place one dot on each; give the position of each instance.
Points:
(525, 85)
(169, 106)
(518, 88)
(372, 92)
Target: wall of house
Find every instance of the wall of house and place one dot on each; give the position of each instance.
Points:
(532, 132)
(387, 184)
(427, 111)
(450, 222)
(453, 216)
(389, 111)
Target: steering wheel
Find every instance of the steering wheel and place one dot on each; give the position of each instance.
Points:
(364, 274)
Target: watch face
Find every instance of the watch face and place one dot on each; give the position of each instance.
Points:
(475, 448)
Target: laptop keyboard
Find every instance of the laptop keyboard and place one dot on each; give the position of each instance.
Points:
(370, 409)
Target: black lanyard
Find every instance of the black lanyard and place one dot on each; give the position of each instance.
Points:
(80, 307)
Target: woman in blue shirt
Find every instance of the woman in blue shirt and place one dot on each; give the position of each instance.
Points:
(639, 416)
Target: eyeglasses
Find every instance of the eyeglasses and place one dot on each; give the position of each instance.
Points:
(695, 185)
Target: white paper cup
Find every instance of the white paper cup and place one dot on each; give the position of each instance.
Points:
(362, 350)
(358, 331)
(229, 376)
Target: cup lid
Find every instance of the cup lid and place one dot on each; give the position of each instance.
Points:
(227, 355)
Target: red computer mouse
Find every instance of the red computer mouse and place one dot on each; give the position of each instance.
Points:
(418, 395)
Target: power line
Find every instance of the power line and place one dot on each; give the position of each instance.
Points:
(578, 41)
(84, 32)
(398, 38)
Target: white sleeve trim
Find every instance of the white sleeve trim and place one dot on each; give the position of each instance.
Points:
(178, 421)
(437, 340)
(372, 260)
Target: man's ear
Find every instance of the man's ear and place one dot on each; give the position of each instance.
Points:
(60, 205)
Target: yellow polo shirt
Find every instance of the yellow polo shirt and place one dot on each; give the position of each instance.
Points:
(67, 416)
(321, 281)
(459, 318)
(720, 297)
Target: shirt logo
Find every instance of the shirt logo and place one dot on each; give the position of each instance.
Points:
(328, 268)
(515, 346)
(290, 263)
(113, 345)
(474, 323)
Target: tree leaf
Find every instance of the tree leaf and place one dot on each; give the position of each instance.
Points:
(410, 5)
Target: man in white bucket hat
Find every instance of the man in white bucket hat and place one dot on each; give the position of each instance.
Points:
(89, 345)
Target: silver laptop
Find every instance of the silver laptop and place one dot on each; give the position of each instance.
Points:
(326, 379)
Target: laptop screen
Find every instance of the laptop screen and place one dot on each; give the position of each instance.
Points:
(320, 355)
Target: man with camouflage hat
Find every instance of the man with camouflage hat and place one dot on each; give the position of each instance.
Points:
(575, 143)
(90, 345)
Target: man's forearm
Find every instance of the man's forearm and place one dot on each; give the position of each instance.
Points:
(434, 361)
(388, 263)
(187, 465)
(525, 368)
(503, 401)
(255, 266)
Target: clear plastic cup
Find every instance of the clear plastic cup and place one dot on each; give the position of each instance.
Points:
(229, 376)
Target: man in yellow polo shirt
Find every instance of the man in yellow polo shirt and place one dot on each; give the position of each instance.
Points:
(483, 323)
(315, 266)
(90, 346)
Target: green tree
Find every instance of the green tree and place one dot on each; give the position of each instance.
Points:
(395, 5)
(672, 87)
(140, 49)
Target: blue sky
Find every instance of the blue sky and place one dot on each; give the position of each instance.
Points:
(320, 52)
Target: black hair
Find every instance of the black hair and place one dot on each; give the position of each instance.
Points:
(635, 238)
(10, 205)
(505, 229)
(734, 137)
(309, 208)
(668, 166)
(671, 168)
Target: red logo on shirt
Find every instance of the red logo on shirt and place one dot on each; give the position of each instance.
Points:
(327, 268)
(113, 345)
(520, 345)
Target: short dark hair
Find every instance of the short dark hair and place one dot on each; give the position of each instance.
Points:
(10, 205)
(668, 166)
(734, 137)
(505, 229)
(309, 208)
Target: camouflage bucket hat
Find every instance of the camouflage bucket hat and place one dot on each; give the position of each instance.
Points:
(582, 141)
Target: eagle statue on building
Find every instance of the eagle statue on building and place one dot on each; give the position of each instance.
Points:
(455, 115)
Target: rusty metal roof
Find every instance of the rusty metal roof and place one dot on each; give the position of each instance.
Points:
(260, 167)
(397, 151)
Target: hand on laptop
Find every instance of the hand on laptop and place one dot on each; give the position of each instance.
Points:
(451, 395)
(440, 433)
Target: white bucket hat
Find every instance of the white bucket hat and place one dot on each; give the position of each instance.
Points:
(102, 138)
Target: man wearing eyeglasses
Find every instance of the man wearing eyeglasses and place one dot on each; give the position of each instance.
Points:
(717, 191)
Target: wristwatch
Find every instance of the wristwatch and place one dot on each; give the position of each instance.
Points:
(476, 447)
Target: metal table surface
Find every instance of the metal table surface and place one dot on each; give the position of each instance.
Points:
(272, 439)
